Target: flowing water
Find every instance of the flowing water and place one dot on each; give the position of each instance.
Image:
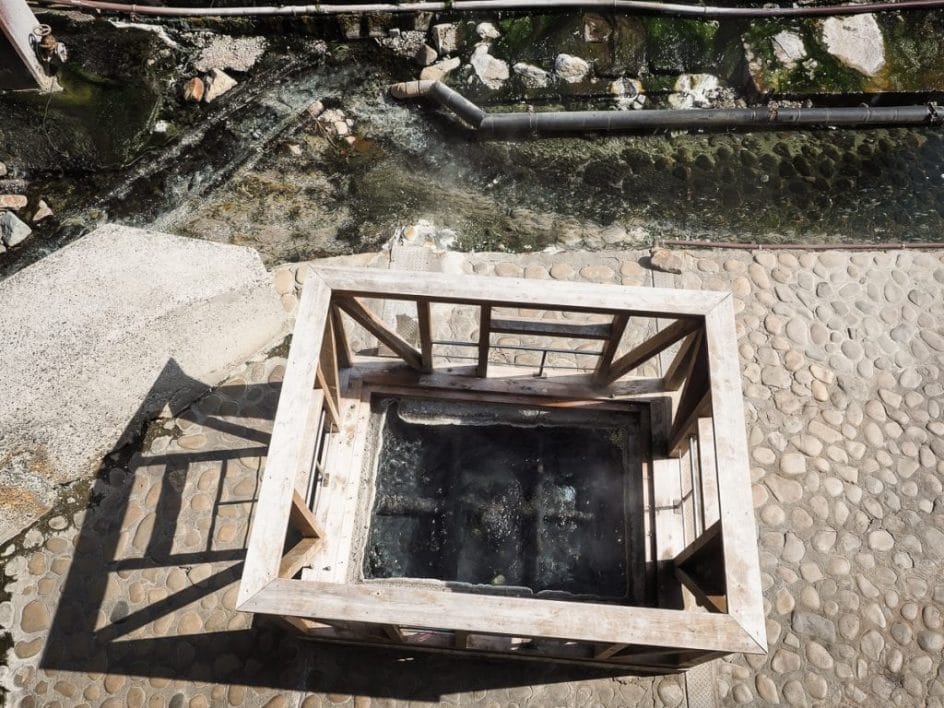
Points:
(254, 169)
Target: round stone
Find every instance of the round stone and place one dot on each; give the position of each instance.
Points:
(881, 540)
(818, 656)
(35, 617)
(930, 641)
(793, 464)
(872, 644)
(562, 271)
(670, 693)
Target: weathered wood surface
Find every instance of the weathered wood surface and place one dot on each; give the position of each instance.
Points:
(511, 616)
(519, 292)
(377, 327)
(651, 347)
(550, 328)
(271, 517)
(739, 527)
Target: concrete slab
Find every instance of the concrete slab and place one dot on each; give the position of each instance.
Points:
(107, 331)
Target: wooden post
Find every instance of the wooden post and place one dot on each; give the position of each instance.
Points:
(426, 334)
(485, 329)
(601, 374)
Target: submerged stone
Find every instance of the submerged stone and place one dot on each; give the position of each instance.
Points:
(788, 48)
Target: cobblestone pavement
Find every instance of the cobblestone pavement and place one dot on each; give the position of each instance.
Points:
(129, 601)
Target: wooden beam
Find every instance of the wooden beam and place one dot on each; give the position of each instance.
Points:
(298, 557)
(485, 328)
(710, 535)
(684, 423)
(328, 376)
(709, 470)
(550, 328)
(424, 321)
(508, 616)
(608, 650)
(271, 515)
(377, 327)
(648, 349)
(738, 525)
(345, 357)
(694, 399)
(301, 518)
(681, 365)
(521, 293)
(570, 390)
(605, 361)
(712, 603)
(330, 403)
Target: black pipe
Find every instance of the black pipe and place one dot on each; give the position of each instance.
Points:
(510, 124)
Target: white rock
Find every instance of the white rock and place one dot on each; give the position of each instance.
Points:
(695, 91)
(571, 69)
(13, 231)
(42, 211)
(219, 82)
(491, 71)
(3, 170)
(486, 30)
(856, 41)
(788, 48)
(531, 76)
(445, 38)
(425, 55)
(439, 70)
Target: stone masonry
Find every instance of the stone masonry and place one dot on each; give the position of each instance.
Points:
(125, 598)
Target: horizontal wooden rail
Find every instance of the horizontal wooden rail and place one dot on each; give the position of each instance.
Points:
(511, 616)
(545, 328)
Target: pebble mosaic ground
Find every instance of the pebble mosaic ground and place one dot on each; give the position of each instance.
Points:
(129, 602)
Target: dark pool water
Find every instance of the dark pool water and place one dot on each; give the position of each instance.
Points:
(540, 508)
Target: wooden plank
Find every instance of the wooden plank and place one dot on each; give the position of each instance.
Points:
(738, 526)
(330, 402)
(709, 470)
(271, 515)
(712, 603)
(693, 401)
(648, 349)
(551, 328)
(485, 322)
(706, 538)
(462, 640)
(520, 292)
(683, 426)
(681, 365)
(667, 494)
(563, 389)
(345, 357)
(605, 361)
(508, 616)
(377, 327)
(687, 496)
(609, 650)
(298, 557)
(392, 632)
(338, 503)
(302, 519)
(424, 320)
(329, 377)
(308, 448)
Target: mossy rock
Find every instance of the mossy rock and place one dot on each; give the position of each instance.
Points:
(676, 45)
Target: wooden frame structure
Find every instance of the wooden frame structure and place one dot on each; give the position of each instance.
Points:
(700, 527)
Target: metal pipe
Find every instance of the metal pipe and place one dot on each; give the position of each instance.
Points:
(754, 246)
(663, 8)
(510, 124)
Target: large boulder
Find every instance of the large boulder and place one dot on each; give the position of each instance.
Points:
(107, 332)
